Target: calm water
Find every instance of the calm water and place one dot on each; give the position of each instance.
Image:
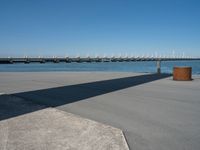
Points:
(149, 66)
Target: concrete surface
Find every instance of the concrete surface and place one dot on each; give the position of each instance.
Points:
(154, 114)
(52, 129)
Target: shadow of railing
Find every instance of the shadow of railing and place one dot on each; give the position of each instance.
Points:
(58, 96)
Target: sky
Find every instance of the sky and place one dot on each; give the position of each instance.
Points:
(99, 27)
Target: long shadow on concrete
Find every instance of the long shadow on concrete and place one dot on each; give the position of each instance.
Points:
(58, 96)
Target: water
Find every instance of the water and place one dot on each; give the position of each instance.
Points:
(148, 66)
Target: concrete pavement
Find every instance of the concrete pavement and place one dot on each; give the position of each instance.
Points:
(52, 129)
(154, 114)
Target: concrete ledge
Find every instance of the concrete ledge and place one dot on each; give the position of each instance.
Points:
(52, 129)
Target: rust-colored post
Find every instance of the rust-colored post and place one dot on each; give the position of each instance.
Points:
(182, 73)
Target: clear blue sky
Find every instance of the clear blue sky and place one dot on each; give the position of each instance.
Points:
(60, 27)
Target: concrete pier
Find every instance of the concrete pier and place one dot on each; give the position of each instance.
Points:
(153, 111)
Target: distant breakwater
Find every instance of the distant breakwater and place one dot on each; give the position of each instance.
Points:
(88, 59)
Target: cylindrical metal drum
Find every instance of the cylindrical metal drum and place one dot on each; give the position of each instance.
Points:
(182, 73)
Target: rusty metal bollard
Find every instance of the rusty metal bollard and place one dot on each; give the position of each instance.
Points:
(182, 73)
